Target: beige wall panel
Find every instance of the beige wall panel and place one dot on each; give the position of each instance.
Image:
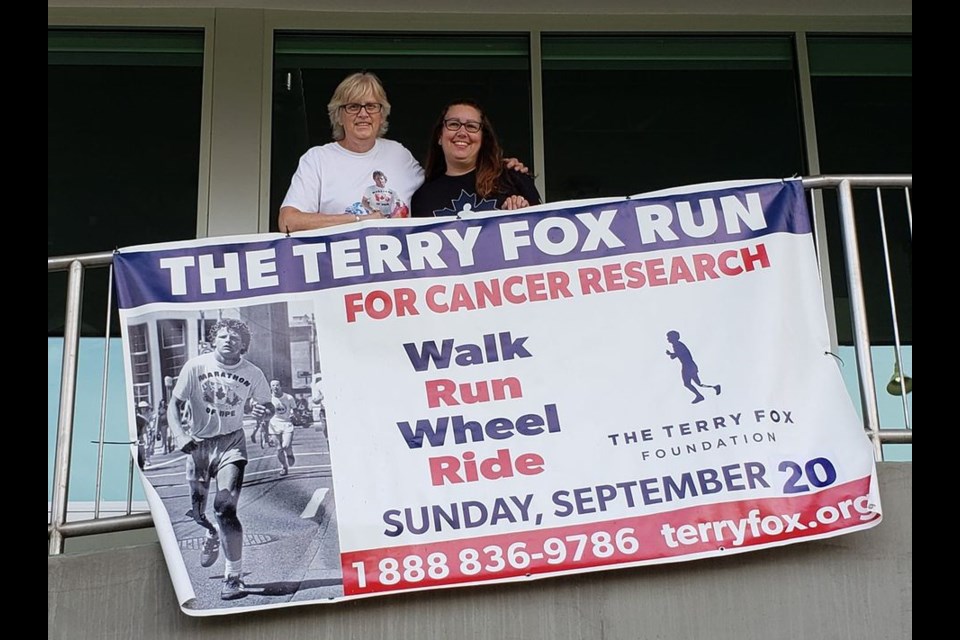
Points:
(238, 71)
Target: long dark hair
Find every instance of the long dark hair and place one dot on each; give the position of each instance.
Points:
(489, 159)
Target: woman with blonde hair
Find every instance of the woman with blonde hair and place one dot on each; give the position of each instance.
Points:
(331, 180)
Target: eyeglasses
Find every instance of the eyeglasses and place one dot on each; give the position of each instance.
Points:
(454, 125)
(354, 108)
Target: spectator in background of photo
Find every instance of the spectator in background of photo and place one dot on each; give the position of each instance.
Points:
(316, 394)
(216, 386)
(316, 401)
(260, 431)
(144, 446)
(162, 429)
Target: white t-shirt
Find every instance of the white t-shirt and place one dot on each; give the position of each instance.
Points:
(331, 179)
(283, 407)
(216, 393)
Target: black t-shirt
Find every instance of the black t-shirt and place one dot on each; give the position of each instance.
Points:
(449, 195)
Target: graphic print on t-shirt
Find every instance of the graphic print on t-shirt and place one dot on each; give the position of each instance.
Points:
(219, 393)
(377, 198)
(467, 202)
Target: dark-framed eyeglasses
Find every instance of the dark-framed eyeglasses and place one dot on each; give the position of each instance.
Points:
(471, 126)
(353, 108)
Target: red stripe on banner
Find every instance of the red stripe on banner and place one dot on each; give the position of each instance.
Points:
(711, 529)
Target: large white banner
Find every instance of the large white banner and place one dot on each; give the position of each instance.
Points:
(573, 387)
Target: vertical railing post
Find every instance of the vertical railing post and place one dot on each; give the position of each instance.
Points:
(103, 396)
(858, 312)
(68, 394)
(897, 352)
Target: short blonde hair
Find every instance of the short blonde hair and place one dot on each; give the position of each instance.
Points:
(352, 89)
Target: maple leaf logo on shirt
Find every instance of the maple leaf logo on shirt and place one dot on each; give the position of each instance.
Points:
(468, 202)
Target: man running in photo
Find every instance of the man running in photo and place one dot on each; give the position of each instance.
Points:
(281, 425)
(216, 386)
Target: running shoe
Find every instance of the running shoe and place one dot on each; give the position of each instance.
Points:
(233, 588)
(210, 551)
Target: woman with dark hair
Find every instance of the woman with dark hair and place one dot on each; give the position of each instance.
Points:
(465, 170)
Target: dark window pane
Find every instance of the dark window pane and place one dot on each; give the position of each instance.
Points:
(140, 361)
(123, 148)
(173, 346)
(627, 114)
(139, 353)
(863, 104)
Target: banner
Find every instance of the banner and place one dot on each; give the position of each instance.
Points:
(399, 405)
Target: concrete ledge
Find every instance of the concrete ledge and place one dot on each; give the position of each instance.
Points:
(853, 587)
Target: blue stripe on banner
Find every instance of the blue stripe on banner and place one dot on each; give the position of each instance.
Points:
(178, 273)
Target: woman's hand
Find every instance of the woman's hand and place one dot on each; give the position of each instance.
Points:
(514, 164)
(359, 217)
(515, 202)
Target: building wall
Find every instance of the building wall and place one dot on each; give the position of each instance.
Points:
(855, 586)
(735, 7)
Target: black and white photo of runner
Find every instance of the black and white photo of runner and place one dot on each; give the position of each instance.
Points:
(254, 524)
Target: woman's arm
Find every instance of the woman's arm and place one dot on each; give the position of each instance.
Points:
(292, 219)
(523, 191)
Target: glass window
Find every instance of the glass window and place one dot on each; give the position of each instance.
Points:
(421, 74)
(625, 114)
(173, 346)
(204, 326)
(863, 105)
(140, 360)
(123, 149)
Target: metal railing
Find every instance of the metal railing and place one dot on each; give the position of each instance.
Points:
(59, 528)
(858, 308)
